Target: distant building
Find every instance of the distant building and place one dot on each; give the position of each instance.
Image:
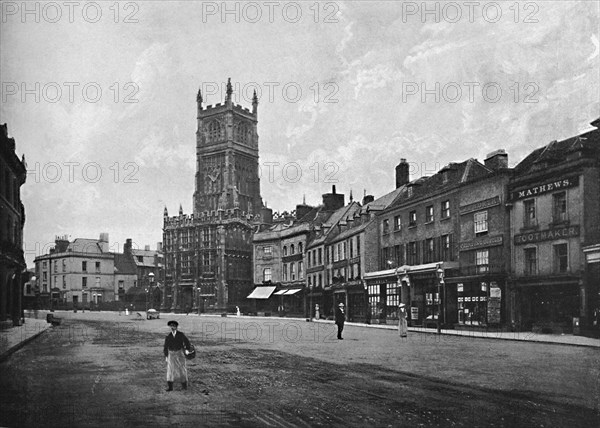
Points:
(555, 198)
(85, 273)
(13, 173)
(208, 254)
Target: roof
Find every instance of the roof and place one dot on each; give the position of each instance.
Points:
(148, 257)
(84, 245)
(337, 216)
(124, 265)
(555, 152)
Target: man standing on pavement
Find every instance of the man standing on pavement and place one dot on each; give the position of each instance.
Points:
(175, 344)
(340, 318)
(402, 323)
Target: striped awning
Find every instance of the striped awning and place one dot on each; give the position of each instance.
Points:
(261, 293)
(287, 292)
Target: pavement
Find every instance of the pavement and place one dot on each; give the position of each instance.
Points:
(14, 338)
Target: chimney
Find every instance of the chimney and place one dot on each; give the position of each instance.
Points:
(332, 201)
(367, 199)
(61, 243)
(496, 160)
(103, 242)
(402, 173)
(266, 215)
(127, 247)
(302, 210)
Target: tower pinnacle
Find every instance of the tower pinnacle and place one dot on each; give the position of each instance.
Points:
(229, 90)
(199, 98)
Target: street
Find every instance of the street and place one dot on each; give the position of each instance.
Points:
(102, 369)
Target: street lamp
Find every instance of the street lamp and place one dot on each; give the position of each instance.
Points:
(440, 276)
(149, 289)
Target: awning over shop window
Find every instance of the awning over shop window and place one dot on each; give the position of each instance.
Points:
(261, 293)
(287, 292)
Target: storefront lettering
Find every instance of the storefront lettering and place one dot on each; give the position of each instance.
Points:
(546, 187)
(480, 205)
(547, 235)
(487, 242)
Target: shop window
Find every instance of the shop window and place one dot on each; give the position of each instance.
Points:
(374, 301)
(559, 213)
(530, 256)
(480, 220)
(529, 219)
(561, 258)
(472, 303)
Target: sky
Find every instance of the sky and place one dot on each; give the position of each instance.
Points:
(101, 97)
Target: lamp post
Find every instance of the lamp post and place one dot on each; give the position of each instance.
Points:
(440, 276)
(149, 289)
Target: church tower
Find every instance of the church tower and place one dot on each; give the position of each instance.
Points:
(227, 157)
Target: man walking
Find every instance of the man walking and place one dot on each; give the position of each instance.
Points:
(340, 318)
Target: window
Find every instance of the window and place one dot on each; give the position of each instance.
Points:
(429, 250)
(320, 280)
(358, 245)
(97, 266)
(446, 248)
(335, 256)
(351, 247)
(342, 249)
(559, 204)
(285, 272)
(140, 259)
(292, 249)
(64, 281)
(445, 209)
(268, 250)
(300, 247)
(308, 259)
(55, 266)
(64, 265)
(412, 219)
(320, 259)
(97, 281)
(293, 271)
(84, 266)
(397, 222)
(429, 214)
(84, 282)
(284, 251)
(44, 265)
(121, 284)
(411, 251)
(482, 261)
(300, 270)
(561, 258)
(530, 261)
(481, 223)
(386, 226)
(529, 213)
(266, 274)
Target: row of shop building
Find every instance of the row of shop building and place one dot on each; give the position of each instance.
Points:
(476, 245)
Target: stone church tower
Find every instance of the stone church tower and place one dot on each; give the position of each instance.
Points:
(208, 254)
(227, 157)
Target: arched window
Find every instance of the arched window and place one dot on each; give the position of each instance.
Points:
(292, 249)
(214, 131)
(284, 251)
(300, 247)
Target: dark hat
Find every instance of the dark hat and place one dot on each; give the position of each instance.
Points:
(175, 323)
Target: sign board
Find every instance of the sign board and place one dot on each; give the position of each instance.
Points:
(481, 205)
(547, 235)
(545, 187)
(491, 241)
(414, 313)
(493, 305)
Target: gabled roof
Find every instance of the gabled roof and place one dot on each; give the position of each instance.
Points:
(337, 216)
(148, 257)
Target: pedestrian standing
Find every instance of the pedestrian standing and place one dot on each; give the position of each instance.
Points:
(175, 344)
(340, 319)
(402, 320)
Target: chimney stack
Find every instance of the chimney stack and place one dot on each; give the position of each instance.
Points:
(332, 201)
(496, 160)
(402, 173)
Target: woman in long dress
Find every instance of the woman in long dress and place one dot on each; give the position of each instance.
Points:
(402, 320)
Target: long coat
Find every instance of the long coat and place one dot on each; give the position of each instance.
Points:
(340, 317)
(402, 322)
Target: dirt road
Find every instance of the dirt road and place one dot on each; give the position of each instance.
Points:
(105, 373)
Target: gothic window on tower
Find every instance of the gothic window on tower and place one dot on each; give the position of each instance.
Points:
(214, 131)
